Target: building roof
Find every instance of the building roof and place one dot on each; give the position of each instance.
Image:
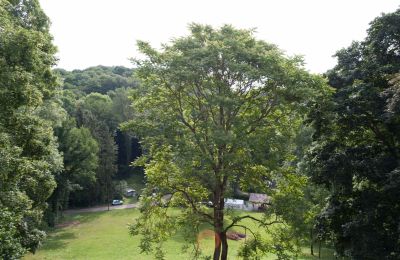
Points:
(258, 198)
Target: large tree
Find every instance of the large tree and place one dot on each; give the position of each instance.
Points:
(74, 184)
(357, 148)
(214, 109)
(28, 150)
(95, 113)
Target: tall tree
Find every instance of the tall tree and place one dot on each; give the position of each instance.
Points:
(95, 113)
(29, 155)
(74, 183)
(213, 108)
(357, 148)
(128, 146)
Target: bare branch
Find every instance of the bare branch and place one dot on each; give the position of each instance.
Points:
(262, 223)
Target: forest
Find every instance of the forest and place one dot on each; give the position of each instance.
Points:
(214, 115)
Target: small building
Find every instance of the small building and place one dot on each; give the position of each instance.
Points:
(130, 193)
(259, 201)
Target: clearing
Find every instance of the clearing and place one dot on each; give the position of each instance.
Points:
(104, 235)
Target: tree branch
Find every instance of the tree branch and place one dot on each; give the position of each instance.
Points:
(262, 223)
(193, 205)
(251, 231)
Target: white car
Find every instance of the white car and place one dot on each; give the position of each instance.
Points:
(117, 202)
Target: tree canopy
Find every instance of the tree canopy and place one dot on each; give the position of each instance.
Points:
(357, 149)
(214, 109)
(100, 79)
(29, 155)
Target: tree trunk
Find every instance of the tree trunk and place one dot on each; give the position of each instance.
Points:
(224, 242)
(217, 249)
(128, 147)
(319, 248)
(108, 198)
(312, 242)
(221, 243)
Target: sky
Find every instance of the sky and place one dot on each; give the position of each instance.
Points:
(104, 32)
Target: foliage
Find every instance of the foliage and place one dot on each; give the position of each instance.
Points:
(103, 83)
(80, 151)
(94, 113)
(213, 109)
(80, 155)
(29, 155)
(300, 201)
(119, 189)
(357, 153)
(100, 79)
(85, 126)
(121, 105)
(280, 244)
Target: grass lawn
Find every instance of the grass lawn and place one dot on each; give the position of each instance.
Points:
(104, 235)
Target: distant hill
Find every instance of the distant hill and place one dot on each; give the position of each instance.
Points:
(100, 79)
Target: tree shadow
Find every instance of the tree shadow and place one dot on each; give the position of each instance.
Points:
(326, 254)
(82, 217)
(57, 240)
(59, 236)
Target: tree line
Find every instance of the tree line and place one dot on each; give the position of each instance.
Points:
(218, 114)
(95, 151)
(61, 145)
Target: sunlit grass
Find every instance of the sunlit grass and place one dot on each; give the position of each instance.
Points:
(104, 235)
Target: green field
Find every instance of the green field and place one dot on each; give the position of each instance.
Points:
(104, 235)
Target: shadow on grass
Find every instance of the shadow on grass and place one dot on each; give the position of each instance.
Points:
(206, 236)
(206, 230)
(82, 217)
(58, 240)
(87, 217)
(326, 254)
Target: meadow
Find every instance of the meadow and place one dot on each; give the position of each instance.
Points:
(104, 235)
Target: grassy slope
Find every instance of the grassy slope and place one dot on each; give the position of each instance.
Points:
(104, 235)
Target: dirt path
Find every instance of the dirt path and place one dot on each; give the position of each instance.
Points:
(102, 208)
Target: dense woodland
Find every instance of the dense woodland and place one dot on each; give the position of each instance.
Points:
(213, 115)
(96, 152)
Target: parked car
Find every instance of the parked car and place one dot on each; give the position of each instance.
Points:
(130, 193)
(117, 202)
